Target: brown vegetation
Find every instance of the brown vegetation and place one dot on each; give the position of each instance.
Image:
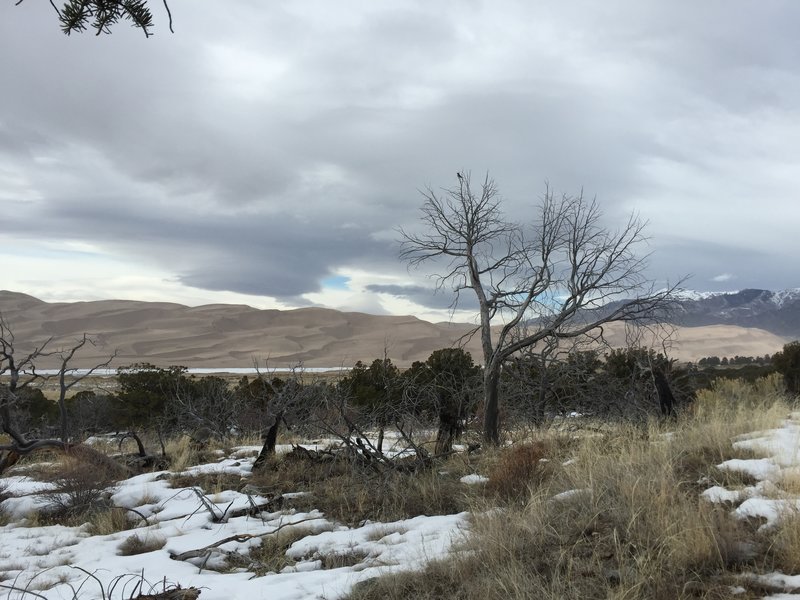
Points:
(621, 520)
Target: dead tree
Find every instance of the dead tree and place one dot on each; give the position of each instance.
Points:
(280, 397)
(20, 371)
(551, 273)
(75, 377)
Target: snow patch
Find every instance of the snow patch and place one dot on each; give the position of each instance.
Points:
(473, 479)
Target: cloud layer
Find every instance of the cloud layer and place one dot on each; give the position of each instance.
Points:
(265, 148)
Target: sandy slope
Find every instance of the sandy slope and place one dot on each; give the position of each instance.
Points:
(235, 335)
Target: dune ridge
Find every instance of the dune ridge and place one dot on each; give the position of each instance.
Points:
(220, 336)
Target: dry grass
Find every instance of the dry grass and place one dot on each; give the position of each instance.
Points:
(182, 453)
(736, 407)
(111, 520)
(209, 483)
(270, 555)
(141, 543)
(789, 482)
(783, 543)
(632, 527)
(384, 531)
(337, 560)
(352, 493)
(519, 470)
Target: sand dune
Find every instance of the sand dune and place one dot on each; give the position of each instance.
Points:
(236, 335)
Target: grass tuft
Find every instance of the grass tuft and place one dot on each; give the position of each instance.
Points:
(111, 520)
(141, 543)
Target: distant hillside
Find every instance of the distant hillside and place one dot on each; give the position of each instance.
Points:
(235, 335)
(221, 335)
(776, 312)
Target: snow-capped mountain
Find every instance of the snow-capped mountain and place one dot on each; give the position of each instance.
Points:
(776, 312)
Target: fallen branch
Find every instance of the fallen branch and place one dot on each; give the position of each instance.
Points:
(23, 591)
(177, 593)
(215, 547)
(209, 506)
(206, 551)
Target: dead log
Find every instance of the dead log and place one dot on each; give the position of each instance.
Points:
(79, 452)
(207, 551)
(177, 593)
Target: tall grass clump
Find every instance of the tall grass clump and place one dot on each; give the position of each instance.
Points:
(729, 409)
(741, 405)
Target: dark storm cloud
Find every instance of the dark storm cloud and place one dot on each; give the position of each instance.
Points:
(276, 256)
(266, 145)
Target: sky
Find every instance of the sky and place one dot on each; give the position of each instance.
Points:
(266, 153)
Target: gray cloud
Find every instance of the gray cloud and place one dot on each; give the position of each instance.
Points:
(264, 146)
(431, 297)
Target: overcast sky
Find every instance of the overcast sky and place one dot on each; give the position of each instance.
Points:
(266, 152)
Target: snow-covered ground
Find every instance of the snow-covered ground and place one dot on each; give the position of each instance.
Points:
(327, 559)
(54, 561)
(766, 501)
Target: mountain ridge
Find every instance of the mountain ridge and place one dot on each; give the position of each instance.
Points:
(222, 335)
(777, 312)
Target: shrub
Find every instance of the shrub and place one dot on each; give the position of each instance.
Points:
(80, 487)
(522, 467)
(787, 363)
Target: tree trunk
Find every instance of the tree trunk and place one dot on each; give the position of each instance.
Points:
(62, 404)
(666, 399)
(491, 405)
(446, 437)
(270, 440)
(380, 438)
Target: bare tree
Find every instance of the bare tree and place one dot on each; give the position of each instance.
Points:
(19, 372)
(564, 276)
(75, 377)
(281, 397)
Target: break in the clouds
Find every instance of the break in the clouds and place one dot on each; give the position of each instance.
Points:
(722, 277)
(267, 152)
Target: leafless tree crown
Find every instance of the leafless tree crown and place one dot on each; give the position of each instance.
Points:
(554, 278)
